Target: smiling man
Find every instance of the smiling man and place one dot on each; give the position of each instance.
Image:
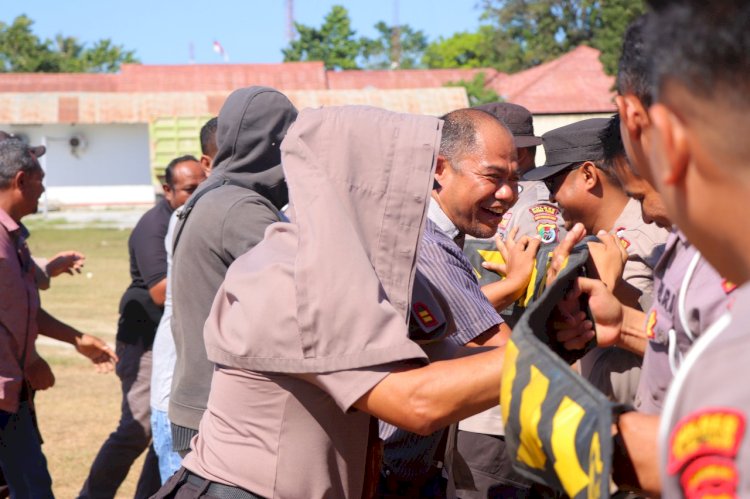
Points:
(476, 182)
(476, 173)
(588, 191)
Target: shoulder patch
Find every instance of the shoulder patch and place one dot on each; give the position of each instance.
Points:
(710, 476)
(728, 286)
(423, 315)
(713, 431)
(620, 233)
(544, 212)
(651, 325)
(548, 232)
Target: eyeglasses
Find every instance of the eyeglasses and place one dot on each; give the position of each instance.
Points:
(552, 183)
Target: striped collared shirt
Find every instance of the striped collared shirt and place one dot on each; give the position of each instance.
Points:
(444, 264)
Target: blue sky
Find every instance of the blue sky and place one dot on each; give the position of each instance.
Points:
(161, 31)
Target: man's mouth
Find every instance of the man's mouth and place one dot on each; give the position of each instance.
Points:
(496, 210)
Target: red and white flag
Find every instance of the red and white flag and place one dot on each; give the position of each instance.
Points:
(220, 50)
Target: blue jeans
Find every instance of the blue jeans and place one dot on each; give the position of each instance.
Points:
(21, 457)
(169, 460)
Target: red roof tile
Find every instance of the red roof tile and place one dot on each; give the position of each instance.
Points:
(212, 77)
(406, 78)
(57, 82)
(177, 78)
(572, 83)
(144, 107)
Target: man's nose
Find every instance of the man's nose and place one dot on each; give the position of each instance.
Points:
(506, 192)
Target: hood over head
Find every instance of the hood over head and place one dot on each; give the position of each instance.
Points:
(252, 123)
(334, 284)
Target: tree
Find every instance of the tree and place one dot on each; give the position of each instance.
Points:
(524, 33)
(333, 43)
(462, 50)
(615, 16)
(398, 47)
(22, 51)
(476, 90)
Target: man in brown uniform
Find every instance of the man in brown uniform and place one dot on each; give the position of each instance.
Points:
(689, 295)
(291, 417)
(701, 93)
(588, 192)
(703, 439)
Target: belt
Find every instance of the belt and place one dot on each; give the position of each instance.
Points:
(219, 490)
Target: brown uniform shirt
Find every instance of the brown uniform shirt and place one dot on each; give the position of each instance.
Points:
(616, 372)
(316, 314)
(644, 244)
(534, 215)
(689, 296)
(704, 445)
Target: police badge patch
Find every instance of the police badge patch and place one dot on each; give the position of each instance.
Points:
(548, 232)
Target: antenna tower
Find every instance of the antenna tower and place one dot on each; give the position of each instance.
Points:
(395, 39)
(290, 32)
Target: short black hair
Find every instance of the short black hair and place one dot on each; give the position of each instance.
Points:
(208, 137)
(169, 170)
(460, 132)
(15, 156)
(703, 45)
(634, 65)
(612, 145)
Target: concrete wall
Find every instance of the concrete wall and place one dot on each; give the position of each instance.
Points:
(112, 166)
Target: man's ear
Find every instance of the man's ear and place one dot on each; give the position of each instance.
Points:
(589, 173)
(441, 170)
(632, 114)
(20, 179)
(206, 164)
(675, 150)
(167, 190)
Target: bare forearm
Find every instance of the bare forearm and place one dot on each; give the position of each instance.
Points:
(54, 328)
(496, 336)
(426, 399)
(633, 332)
(628, 294)
(636, 454)
(158, 292)
(503, 293)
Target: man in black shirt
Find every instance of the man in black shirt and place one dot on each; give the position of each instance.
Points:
(140, 311)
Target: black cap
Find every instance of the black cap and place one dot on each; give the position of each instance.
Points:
(35, 150)
(517, 118)
(569, 145)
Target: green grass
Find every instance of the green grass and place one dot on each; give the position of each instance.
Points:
(83, 407)
(88, 301)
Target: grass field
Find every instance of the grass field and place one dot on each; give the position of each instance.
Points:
(78, 413)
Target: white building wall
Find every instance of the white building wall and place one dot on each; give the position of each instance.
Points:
(112, 165)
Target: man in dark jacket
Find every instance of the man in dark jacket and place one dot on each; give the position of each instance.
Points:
(141, 308)
(226, 217)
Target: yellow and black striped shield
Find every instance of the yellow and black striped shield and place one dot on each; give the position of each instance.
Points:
(558, 426)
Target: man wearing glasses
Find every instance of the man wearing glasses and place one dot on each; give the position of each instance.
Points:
(585, 187)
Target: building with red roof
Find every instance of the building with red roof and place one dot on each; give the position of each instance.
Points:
(132, 122)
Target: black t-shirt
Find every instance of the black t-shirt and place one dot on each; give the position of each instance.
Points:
(139, 315)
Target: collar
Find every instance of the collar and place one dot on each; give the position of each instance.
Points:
(681, 235)
(11, 225)
(436, 214)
